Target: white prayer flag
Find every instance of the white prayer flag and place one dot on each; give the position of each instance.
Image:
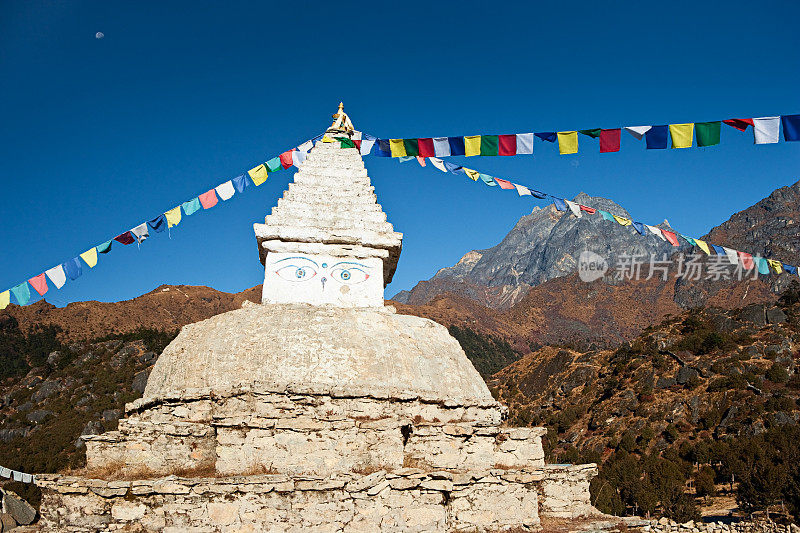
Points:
(441, 147)
(438, 163)
(637, 131)
(655, 231)
(733, 257)
(366, 146)
(225, 190)
(140, 232)
(575, 208)
(765, 130)
(524, 143)
(306, 146)
(522, 190)
(298, 157)
(57, 276)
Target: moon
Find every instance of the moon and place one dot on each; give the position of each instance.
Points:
(99, 35)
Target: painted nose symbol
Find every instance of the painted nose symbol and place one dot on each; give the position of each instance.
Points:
(323, 282)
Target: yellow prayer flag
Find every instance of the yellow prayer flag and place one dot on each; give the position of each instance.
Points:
(776, 265)
(173, 217)
(327, 139)
(682, 135)
(703, 246)
(567, 142)
(5, 299)
(258, 174)
(398, 147)
(474, 174)
(472, 145)
(622, 221)
(90, 256)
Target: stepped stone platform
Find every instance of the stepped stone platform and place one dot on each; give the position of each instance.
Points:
(320, 409)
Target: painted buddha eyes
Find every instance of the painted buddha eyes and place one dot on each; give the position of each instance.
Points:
(349, 273)
(298, 268)
(296, 273)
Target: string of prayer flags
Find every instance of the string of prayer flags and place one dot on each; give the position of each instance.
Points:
(765, 130)
(682, 135)
(90, 257)
(208, 199)
(39, 283)
(708, 133)
(57, 276)
(16, 476)
(192, 206)
(22, 293)
(567, 142)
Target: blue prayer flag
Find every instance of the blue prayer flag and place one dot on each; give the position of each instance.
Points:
(688, 239)
(657, 137)
(537, 194)
(790, 269)
(453, 168)
(22, 293)
(158, 224)
(719, 249)
(191, 206)
(606, 215)
(487, 179)
(791, 127)
(559, 203)
(549, 136)
(382, 148)
(638, 226)
(73, 268)
(456, 145)
(763, 266)
(105, 247)
(240, 182)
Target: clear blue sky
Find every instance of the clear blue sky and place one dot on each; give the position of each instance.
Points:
(97, 136)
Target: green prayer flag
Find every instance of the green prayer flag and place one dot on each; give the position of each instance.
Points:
(707, 133)
(345, 142)
(274, 164)
(490, 144)
(412, 147)
(593, 133)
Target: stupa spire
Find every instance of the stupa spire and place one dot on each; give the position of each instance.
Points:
(341, 122)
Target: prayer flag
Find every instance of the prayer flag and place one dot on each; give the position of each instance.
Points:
(766, 129)
(473, 174)
(398, 147)
(549, 136)
(90, 256)
(702, 244)
(718, 249)
(639, 227)
(191, 206)
(671, 237)
(524, 143)
(412, 147)
(594, 133)
(274, 164)
(522, 190)
(791, 127)
(104, 248)
(299, 157)
(384, 148)
(344, 142)
(609, 140)
(73, 268)
(225, 190)
(472, 145)
(286, 159)
(174, 215)
(456, 145)
(57, 276)
(739, 123)
(123, 238)
(656, 137)
(682, 135)
(306, 146)
(441, 147)
(687, 239)
(453, 168)
(655, 231)
(576, 210)
(366, 146)
(208, 199)
(39, 283)
(567, 142)
(606, 215)
(504, 184)
(158, 224)
(622, 221)
(258, 175)
(140, 232)
(438, 163)
(747, 260)
(707, 133)
(538, 194)
(327, 139)
(638, 131)
(776, 266)
(790, 269)
(421, 161)
(22, 293)
(507, 145)
(240, 182)
(590, 210)
(762, 265)
(559, 203)
(5, 299)
(488, 180)
(426, 148)
(733, 257)
(490, 145)
(405, 158)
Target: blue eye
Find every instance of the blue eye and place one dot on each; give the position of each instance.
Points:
(349, 275)
(296, 273)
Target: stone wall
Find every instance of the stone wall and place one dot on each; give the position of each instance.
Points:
(403, 500)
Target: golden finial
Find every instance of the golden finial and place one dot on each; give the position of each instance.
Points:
(341, 122)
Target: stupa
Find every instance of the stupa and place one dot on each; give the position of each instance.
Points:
(320, 409)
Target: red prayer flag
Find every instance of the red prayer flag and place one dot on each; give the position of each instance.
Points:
(357, 142)
(747, 260)
(125, 238)
(39, 283)
(590, 210)
(426, 147)
(508, 145)
(421, 161)
(671, 237)
(286, 159)
(609, 140)
(208, 199)
(505, 184)
(739, 123)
